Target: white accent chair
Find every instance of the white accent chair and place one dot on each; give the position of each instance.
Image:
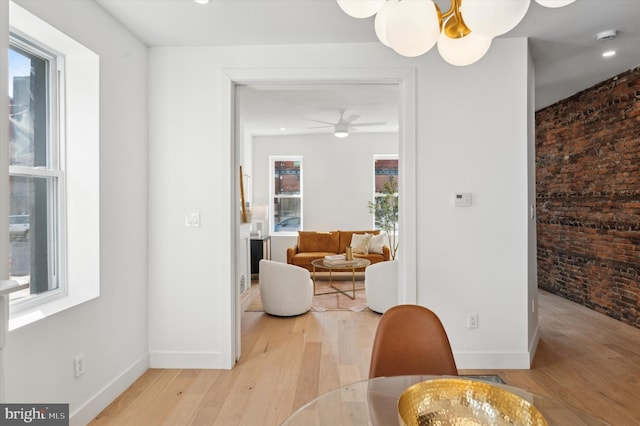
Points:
(381, 285)
(285, 290)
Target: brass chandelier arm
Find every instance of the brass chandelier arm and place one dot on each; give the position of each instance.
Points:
(454, 26)
(453, 9)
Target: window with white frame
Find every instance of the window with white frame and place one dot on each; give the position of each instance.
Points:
(36, 176)
(54, 169)
(286, 194)
(385, 191)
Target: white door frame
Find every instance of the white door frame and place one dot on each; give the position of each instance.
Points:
(4, 183)
(405, 78)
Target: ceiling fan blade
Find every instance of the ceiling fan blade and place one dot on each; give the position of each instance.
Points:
(351, 118)
(377, 123)
(320, 127)
(323, 122)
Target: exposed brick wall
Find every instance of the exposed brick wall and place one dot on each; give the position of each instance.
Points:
(588, 197)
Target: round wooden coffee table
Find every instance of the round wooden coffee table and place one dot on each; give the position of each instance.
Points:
(357, 263)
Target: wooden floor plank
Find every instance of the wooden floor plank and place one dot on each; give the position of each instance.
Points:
(166, 401)
(185, 410)
(307, 384)
(133, 395)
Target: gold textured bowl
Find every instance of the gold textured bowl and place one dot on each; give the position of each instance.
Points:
(447, 402)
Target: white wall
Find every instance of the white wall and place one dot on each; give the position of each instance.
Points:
(337, 178)
(472, 134)
(111, 331)
(474, 259)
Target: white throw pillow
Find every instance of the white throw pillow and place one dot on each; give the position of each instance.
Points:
(360, 243)
(377, 242)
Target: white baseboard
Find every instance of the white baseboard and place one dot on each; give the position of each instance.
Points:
(207, 360)
(533, 345)
(89, 410)
(493, 360)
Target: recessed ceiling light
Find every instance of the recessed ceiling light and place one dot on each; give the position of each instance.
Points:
(202, 1)
(283, 128)
(608, 53)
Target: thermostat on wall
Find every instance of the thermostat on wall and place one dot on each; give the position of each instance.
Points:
(462, 199)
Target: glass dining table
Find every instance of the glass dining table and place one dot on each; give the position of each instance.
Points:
(375, 402)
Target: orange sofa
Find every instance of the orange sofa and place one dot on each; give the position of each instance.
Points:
(313, 245)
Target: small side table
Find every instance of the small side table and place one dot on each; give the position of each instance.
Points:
(260, 249)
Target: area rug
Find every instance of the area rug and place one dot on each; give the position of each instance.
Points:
(326, 302)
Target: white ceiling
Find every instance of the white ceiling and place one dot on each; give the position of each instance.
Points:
(292, 109)
(564, 48)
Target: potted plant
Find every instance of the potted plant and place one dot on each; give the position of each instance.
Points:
(385, 210)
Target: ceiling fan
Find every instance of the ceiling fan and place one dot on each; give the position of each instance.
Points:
(344, 125)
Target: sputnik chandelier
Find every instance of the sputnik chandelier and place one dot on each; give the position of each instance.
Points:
(413, 27)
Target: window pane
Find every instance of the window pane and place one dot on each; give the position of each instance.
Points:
(385, 196)
(33, 197)
(385, 170)
(30, 231)
(28, 76)
(287, 178)
(286, 214)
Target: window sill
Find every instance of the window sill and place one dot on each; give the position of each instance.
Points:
(47, 309)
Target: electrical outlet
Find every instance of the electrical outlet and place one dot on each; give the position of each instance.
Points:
(472, 320)
(78, 364)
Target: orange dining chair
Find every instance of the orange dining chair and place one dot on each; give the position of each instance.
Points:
(410, 340)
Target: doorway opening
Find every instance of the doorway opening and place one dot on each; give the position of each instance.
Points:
(313, 125)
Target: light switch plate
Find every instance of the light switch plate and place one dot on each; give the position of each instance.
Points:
(192, 220)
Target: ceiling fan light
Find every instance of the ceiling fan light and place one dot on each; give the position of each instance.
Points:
(463, 51)
(413, 27)
(361, 8)
(493, 17)
(341, 130)
(382, 18)
(554, 3)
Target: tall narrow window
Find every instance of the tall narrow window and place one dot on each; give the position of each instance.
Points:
(385, 185)
(286, 191)
(54, 169)
(35, 173)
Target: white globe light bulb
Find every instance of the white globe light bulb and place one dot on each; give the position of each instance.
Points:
(493, 17)
(382, 18)
(413, 27)
(463, 51)
(554, 3)
(361, 8)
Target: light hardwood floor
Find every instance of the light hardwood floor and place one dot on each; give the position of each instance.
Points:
(584, 358)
